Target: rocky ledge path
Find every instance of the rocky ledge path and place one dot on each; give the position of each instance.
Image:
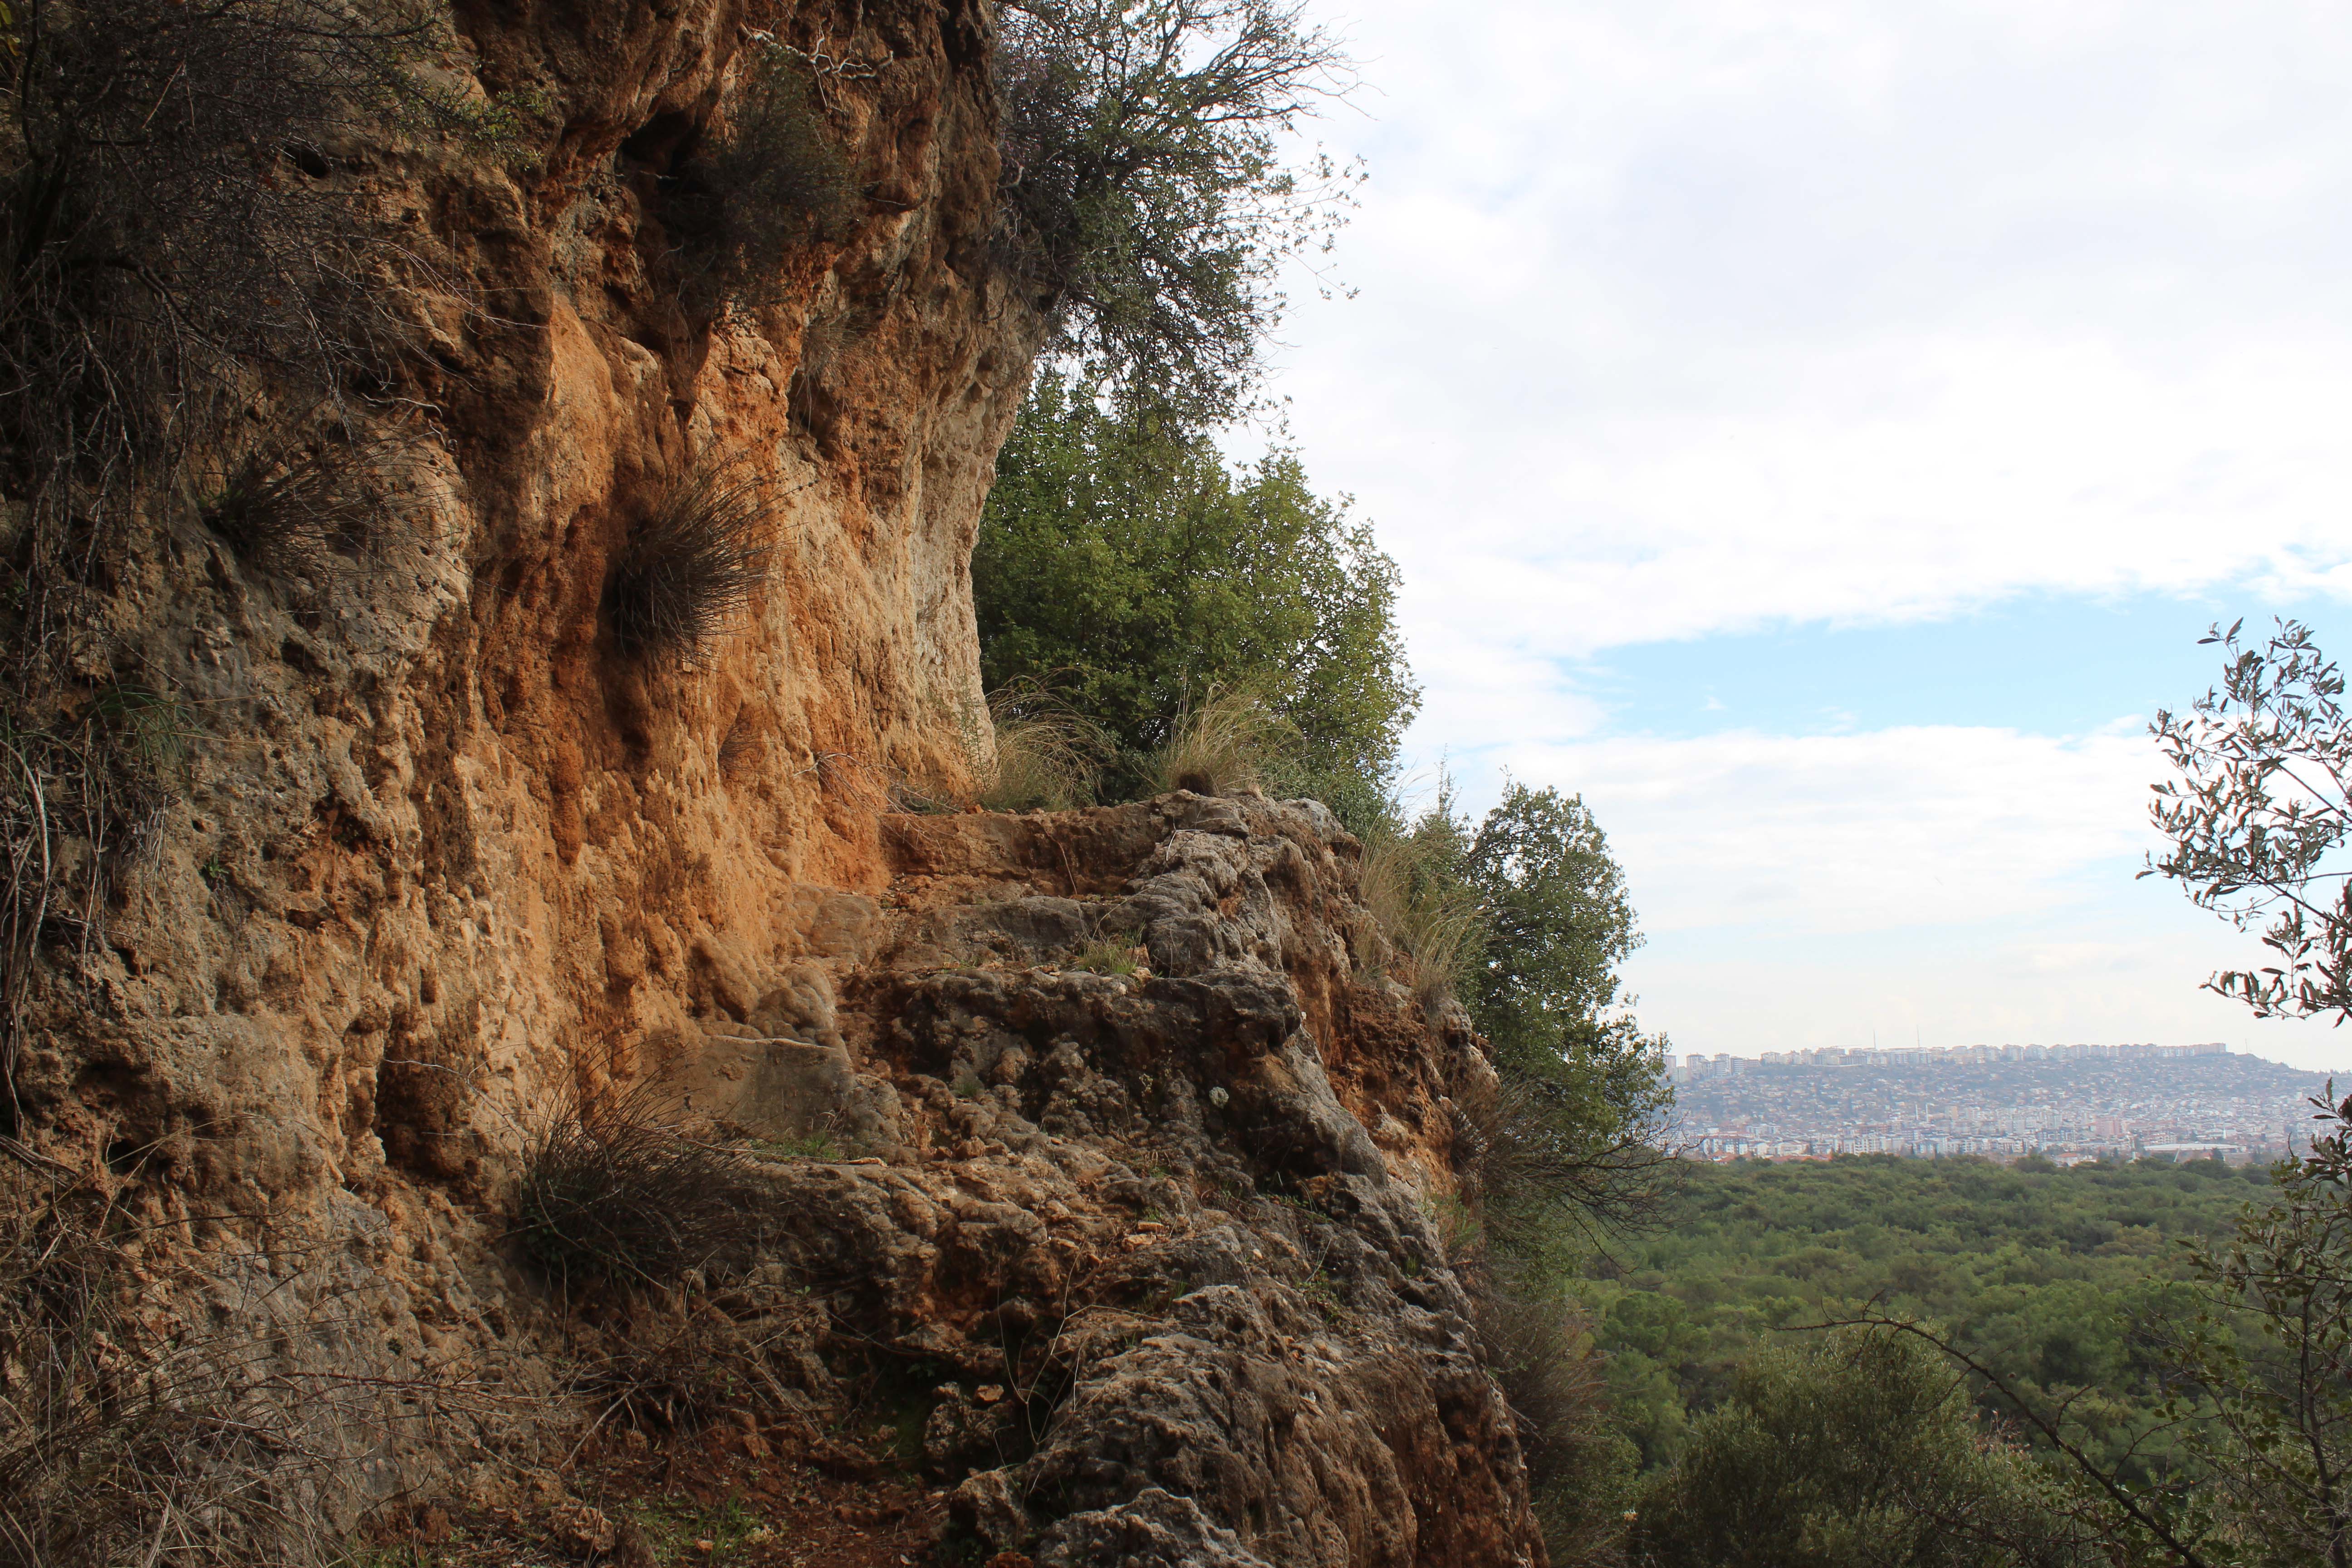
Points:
(1109, 1130)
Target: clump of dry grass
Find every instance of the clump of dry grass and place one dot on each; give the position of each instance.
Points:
(614, 1191)
(691, 567)
(1230, 741)
(1044, 757)
(1109, 955)
(1435, 930)
(210, 1445)
(302, 508)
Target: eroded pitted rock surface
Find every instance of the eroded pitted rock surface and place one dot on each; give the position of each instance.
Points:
(1184, 1308)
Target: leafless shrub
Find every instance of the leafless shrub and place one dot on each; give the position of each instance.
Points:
(1044, 757)
(677, 1359)
(1545, 1158)
(1230, 741)
(121, 1444)
(1540, 1350)
(692, 566)
(614, 1191)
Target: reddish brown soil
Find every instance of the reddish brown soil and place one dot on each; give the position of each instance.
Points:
(724, 1497)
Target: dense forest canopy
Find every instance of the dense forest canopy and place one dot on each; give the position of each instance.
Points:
(2053, 1274)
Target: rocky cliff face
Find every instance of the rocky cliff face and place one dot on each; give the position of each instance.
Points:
(440, 844)
(444, 856)
(1177, 1215)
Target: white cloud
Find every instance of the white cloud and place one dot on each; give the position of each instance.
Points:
(1689, 317)
(1966, 884)
(1827, 835)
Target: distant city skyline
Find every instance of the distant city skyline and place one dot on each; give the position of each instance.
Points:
(2066, 1103)
(1676, 1057)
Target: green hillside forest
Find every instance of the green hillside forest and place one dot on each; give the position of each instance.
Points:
(2059, 1278)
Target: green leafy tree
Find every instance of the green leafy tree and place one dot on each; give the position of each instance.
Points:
(1124, 566)
(1857, 1449)
(1147, 201)
(1576, 1128)
(1558, 922)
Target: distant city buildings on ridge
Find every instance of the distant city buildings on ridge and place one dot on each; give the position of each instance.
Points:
(2067, 1103)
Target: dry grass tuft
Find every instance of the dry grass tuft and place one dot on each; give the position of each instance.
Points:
(123, 1443)
(1046, 758)
(1109, 956)
(304, 508)
(1231, 741)
(692, 566)
(614, 1191)
(1435, 930)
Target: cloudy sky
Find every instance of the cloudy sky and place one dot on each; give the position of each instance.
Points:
(1818, 432)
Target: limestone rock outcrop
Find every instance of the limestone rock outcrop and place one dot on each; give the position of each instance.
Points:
(1146, 1205)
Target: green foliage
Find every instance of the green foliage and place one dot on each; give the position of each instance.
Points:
(2261, 814)
(2266, 1369)
(1123, 566)
(2054, 1276)
(1527, 917)
(1147, 204)
(1853, 1450)
(1558, 920)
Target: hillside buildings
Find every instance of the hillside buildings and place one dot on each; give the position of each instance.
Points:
(2064, 1102)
